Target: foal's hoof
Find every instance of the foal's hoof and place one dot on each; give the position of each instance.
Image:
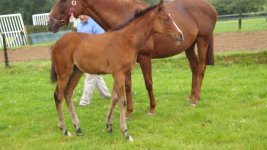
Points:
(79, 132)
(127, 136)
(109, 128)
(67, 133)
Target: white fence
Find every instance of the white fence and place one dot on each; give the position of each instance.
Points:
(13, 28)
(40, 19)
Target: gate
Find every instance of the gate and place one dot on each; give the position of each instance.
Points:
(13, 28)
(40, 19)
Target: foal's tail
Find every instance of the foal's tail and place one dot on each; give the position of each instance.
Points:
(210, 54)
(53, 74)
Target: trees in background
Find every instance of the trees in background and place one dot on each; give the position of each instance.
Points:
(26, 7)
(238, 6)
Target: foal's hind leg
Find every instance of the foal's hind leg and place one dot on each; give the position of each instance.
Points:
(119, 84)
(128, 90)
(74, 79)
(58, 96)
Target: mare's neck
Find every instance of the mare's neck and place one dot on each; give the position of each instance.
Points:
(110, 14)
(139, 30)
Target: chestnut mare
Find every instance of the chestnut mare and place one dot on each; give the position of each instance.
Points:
(196, 18)
(113, 52)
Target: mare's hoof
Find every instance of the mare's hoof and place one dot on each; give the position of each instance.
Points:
(189, 98)
(193, 105)
(151, 112)
(79, 132)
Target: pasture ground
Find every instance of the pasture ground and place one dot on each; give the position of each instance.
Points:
(231, 114)
(223, 41)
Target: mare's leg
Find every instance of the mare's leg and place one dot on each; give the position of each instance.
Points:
(202, 44)
(113, 102)
(192, 58)
(145, 63)
(74, 79)
(59, 95)
(128, 89)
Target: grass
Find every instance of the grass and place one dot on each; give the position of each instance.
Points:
(248, 25)
(231, 114)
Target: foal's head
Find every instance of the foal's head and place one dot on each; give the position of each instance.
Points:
(62, 11)
(164, 24)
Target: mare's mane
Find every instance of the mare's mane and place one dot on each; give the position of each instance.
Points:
(137, 14)
(125, 5)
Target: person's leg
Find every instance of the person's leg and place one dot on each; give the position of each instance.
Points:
(102, 87)
(89, 86)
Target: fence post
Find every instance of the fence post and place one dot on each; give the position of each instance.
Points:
(5, 50)
(240, 22)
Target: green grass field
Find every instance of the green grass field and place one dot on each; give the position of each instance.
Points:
(231, 114)
(248, 25)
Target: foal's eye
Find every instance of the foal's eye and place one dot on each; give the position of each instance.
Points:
(63, 1)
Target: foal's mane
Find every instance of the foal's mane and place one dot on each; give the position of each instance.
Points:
(137, 14)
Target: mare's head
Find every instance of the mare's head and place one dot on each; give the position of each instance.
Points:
(61, 13)
(163, 23)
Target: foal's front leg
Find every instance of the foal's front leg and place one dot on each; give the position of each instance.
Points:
(119, 80)
(122, 107)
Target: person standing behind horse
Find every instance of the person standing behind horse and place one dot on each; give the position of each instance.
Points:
(88, 25)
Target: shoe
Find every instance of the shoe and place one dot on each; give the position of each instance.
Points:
(82, 103)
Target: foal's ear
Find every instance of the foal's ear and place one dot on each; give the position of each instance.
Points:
(161, 4)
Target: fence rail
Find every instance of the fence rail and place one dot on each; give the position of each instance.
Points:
(242, 16)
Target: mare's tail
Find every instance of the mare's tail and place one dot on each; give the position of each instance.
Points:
(53, 74)
(210, 54)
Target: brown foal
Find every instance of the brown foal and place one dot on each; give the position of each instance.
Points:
(109, 53)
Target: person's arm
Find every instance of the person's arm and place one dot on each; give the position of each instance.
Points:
(97, 28)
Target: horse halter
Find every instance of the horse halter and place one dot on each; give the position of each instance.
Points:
(65, 21)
